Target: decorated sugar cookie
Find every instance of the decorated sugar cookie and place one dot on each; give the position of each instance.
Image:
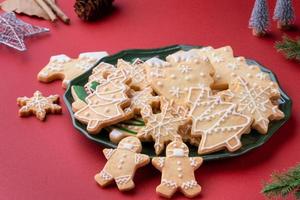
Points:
(65, 68)
(38, 105)
(122, 164)
(141, 100)
(177, 171)
(216, 121)
(255, 101)
(162, 127)
(227, 68)
(105, 106)
(136, 71)
(172, 79)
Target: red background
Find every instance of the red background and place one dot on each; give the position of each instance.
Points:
(51, 160)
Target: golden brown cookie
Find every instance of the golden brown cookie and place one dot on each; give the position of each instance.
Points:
(65, 68)
(38, 105)
(122, 164)
(254, 101)
(106, 105)
(177, 171)
(216, 121)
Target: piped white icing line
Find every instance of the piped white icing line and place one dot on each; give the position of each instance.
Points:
(156, 62)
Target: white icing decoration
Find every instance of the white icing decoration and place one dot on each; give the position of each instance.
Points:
(169, 183)
(105, 175)
(189, 184)
(232, 66)
(122, 179)
(261, 76)
(183, 56)
(176, 91)
(156, 62)
(60, 58)
(178, 152)
(185, 69)
(93, 55)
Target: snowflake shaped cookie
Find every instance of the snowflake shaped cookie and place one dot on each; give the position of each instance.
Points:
(38, 105)
(255, 101)
(162, 127)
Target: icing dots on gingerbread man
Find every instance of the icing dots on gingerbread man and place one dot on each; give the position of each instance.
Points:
(216, 121)
(38, 105)
(177, 170)
(161, 127)
(105, 106)
(255, 101)
(65, 68)
(184, 70)
(122, 164)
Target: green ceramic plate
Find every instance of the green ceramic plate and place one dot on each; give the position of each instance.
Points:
(250, 141)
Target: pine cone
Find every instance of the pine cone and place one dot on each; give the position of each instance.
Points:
(91, 10)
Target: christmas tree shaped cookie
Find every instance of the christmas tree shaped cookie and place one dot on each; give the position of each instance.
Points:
(254, 101)
(38, 105)
(105, 106)
(122, 164)
(177, 171)
(183, 70)
(216, 121)
(162, 127)
(65, 68)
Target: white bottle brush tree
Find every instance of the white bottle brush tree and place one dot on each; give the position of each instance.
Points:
(259, 21)
(284, 14)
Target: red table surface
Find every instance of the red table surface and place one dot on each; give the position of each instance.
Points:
(51, 160)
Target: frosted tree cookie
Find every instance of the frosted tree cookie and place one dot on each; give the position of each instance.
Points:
(106, 105)
(38, 105)
(255, 101)
(122, 164)
(183, 70)
(161, 127)
(216, 121)
(65, 68)
(177, 171)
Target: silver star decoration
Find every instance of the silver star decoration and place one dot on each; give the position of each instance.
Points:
(13, 31)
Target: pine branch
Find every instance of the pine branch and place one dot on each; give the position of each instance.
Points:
(289, 47)
(284, 184)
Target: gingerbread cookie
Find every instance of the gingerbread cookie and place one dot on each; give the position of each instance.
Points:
(136, 71)
(177, 171)
(227, 67)
(38, 105)
(183, 70)
(122, 164)
(161, 127)
(79, 95)
(65, 68)
(105, 106)
(216, 121)
(255, 101)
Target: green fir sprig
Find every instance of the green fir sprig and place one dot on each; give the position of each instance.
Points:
(289, 47)
(284, 184)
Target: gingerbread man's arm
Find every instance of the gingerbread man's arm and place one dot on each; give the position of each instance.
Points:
(158, 162)
(141, 159)
(108, 153)
(196, 162)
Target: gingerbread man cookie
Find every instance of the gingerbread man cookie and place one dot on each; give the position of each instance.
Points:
(216, 121)
(38, 105)
(255, 101)
(65, 68)
(161, 127)
(177, 170)
(122, 164)
(183, 70)
(105, 106)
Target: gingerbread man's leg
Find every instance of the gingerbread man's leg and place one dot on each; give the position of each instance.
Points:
(124, 183)
(166, 189)
(103, 178)
(190, 189)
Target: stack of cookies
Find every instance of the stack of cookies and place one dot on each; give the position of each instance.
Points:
(205, 97)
